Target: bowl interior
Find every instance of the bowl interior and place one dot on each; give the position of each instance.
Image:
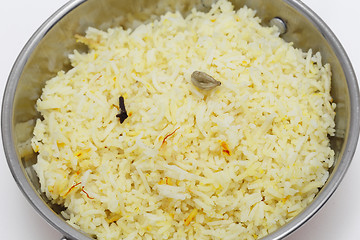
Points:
(46, 54)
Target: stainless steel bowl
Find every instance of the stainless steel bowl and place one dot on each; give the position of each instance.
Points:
(46, 52)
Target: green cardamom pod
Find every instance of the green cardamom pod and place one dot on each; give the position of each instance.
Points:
(204, 81)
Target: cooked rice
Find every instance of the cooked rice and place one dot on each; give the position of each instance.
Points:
(235, 162)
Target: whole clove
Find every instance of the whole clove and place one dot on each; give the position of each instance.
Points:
(123, 114)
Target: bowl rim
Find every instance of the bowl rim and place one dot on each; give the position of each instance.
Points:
(71, 233)
(7, 131)
(352, 137)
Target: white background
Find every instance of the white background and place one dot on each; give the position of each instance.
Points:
(338, 219)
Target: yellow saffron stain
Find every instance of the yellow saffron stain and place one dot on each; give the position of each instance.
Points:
(285, 199)
(112, 217)
(190, 217)
(165, 180)
(225, 148)
(117, 107)
(60, 144)
(82, 153)
(51, 189)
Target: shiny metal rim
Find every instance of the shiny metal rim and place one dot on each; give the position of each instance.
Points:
(71, 233)
(7, 131)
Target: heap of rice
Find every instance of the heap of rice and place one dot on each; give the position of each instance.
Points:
(235, 162)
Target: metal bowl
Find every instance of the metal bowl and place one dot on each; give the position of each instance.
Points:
(46, 53)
